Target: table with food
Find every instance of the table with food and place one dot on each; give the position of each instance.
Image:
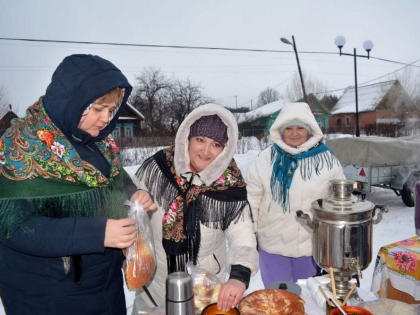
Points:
(342, 244)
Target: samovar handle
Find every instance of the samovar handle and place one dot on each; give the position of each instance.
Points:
(382, 209)
(305, 217)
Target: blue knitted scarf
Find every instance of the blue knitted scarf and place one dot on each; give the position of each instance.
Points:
(310, 163)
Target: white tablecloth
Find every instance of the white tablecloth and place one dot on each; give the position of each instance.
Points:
(314, 302)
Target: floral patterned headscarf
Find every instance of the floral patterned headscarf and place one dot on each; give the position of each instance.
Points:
(34, 147)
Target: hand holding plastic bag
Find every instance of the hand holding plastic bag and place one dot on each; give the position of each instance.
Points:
(140, 257)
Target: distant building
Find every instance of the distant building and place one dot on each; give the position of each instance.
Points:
(258, 121)
(6, 115)
(379, 103)
(321, 113)
(129, 123)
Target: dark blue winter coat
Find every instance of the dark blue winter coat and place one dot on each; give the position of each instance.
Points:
(33, 260)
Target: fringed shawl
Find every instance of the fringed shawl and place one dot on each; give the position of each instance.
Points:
(310, 163)
(41, 174)
(187, 205)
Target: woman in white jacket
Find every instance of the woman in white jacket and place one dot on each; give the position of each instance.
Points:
(287, 176)
(201, 199)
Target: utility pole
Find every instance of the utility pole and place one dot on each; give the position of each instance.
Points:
(300, 71)
(251, 103)
(286, 41)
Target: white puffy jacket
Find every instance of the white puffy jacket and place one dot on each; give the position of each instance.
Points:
(278, 231)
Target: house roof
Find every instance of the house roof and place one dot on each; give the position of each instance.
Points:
(4, 110)
(260, 112)
(369, 97)
(134, 110)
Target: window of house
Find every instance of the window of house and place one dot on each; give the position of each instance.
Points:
(117, 131)
(338, 122)
(128, 130)
(348, 121)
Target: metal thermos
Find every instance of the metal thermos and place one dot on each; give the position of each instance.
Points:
(179, 294)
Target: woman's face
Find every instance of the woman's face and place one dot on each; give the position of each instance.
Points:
(295, 136)
(100, 114)
(202, 152)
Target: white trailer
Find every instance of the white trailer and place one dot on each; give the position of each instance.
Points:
(392, 163)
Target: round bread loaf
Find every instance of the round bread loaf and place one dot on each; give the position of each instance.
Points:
(141, 267)
(272, 302)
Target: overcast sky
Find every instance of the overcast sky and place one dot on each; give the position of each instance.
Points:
(26, 68)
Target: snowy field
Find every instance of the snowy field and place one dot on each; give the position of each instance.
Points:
(396, 225)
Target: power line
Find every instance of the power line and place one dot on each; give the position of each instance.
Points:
(184, 47)
(218, 49)
(387, 74)
(374, 79)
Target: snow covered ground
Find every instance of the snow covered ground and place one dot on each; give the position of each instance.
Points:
(396, 225)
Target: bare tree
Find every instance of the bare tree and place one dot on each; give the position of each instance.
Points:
(184, 97)
(150, 96)
(329, 101)
(312, 86)
(267, 96)
(401, 103)
(165, 102)
(410, 80)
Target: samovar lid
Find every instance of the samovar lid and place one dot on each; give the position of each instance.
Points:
(341, 200)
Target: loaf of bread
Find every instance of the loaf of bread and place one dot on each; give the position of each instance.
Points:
(272, 302)
(140, 266)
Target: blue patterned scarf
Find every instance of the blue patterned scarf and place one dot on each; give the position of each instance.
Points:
(284, 167)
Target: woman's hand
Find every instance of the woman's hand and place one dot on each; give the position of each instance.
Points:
(144, 200)
(120, 233)
(230, 294)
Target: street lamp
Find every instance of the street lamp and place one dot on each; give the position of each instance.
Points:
(286, 41)
(367, 45)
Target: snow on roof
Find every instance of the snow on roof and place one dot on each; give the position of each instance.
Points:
(263, 111)
(135, 110)
(368, 98)
(127, 118)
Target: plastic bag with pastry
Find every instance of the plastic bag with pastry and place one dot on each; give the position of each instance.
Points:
(206, 287)
(140, 257)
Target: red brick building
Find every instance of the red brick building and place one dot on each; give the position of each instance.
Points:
(383, 101)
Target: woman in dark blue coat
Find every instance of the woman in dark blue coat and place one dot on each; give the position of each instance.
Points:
(62, 219)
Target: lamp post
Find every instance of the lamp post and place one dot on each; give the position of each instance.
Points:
(367, 45)
(286, 41)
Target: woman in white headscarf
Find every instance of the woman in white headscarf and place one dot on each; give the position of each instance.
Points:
(201, 199)
(287, 176)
